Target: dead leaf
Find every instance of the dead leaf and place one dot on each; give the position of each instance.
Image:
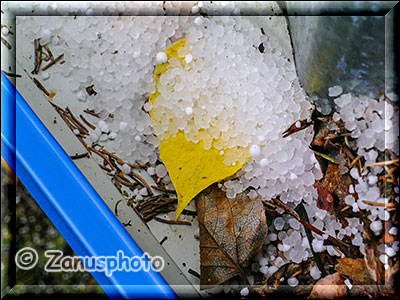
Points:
(329, 287)
(333, 184)
(319, 139)
(232, 232)
(371, 257)
(354, 269)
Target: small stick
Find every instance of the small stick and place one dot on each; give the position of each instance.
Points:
(137, 165)
(83, 142)
(87, 122)
(47, 57)
(384, 163)
(52, 62)
(76, 122)
(113, 163)
(77, 156)
(354, 161)
(163, 189)
(49, 52)
(38, 56)
(139, 178)
(342, 245)
(163, 240)
(56, 106)
(91, 112)
(71, 126)
(326, 157)
(116, 207)
(40, 86)
(388, 205)
(11, 74)
(117, 185)
(172, 222)
(303, 213)
(121, 162)
(293, 128)
(124, 182)
(194, 273)
(187, 212)
(102, 155)
(105, 168)
(7, 44)
(81, 130)
(127, 224)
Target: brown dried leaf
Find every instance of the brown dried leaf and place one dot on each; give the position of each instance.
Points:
(354, 269)
(371, 257)
(333, 183)
(232, 232)
(329, 287)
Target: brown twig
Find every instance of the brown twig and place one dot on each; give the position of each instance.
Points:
(52, 62)
(11, 74)
(116, 207)
(342, 245)
(388, 205)
(161, 189)
(40, 86)
(139, 179)
(123, 181)
(91, 112)
(77, 156)
(102, 156)
(87, 122)
(38, 56)
(194, 273)
(74, 120)
(49, 52)
(303, 214)
(172, 222)
(7, 44)
(384, 163)
(163, 240)
(293, 128)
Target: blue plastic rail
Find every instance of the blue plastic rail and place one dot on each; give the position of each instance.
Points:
(68, 199)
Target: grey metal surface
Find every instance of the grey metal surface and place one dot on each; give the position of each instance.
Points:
(346, 49)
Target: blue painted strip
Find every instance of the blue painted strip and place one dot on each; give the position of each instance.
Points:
(70, 202)
(7, 121)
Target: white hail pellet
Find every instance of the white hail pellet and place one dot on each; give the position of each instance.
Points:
(188, 58)
(254, 150)
(198, 21)
(195, 9)
(81, 96)
(188, 110)
(244, 292)
(161, 57)
(5, 30)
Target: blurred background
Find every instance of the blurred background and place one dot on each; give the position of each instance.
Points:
(25, 225)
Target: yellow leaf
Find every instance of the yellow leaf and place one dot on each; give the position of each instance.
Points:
(191, 167)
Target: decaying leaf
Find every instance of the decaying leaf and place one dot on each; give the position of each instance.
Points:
(371, 257)
(329, 287)
(232, 232)
(190, 167)
(333, 184)
(362, 284)
(354, 269)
